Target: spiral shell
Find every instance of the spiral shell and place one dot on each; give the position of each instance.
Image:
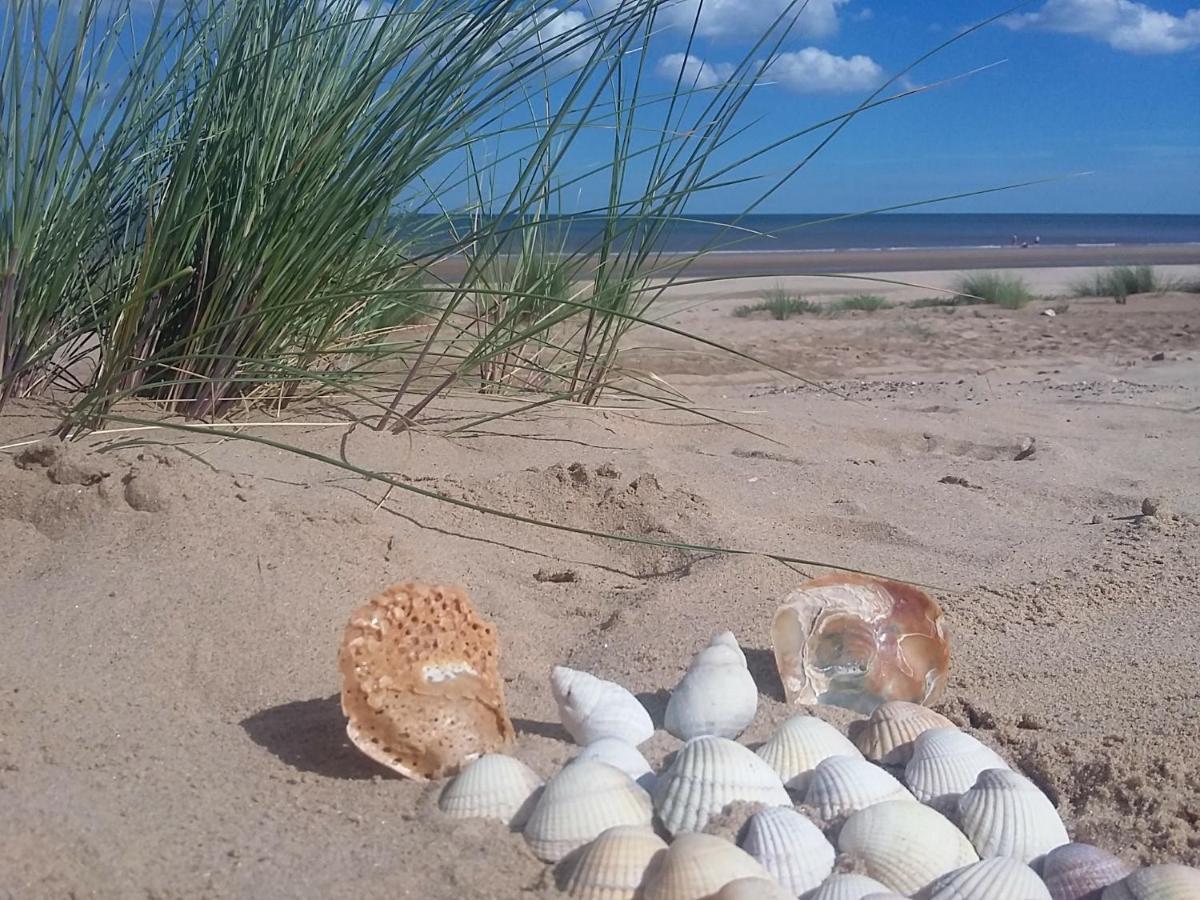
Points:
(904, 845)
(790, 847)
(494, 786)
(799, 745)
(1167, 882)
(614, 866)
(696, 866)
(584, 799)
(842, 785)
(717, 694)
(945, 762)
(753, 889)
(1081, 871)
(850, 886)
(887, 736)
(591, 708)
(1004, 814)
(625, 757)
(992, 879)
(707, 774)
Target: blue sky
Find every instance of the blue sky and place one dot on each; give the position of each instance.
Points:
(1110, 87)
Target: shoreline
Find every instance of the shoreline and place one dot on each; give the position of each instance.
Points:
(752, 263)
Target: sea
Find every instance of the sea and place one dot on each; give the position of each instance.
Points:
(816, 232)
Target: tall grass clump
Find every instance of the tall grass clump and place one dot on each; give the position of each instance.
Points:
(781, 304)
(1009, 291)
(1119, 282)
(861, 302)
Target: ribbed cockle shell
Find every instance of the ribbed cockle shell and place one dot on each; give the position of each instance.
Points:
(855, 641)
(753, 889)
(1081, 871)
(1166, 882)
(696, 866)
(790, 847)
(614, 866)
(421, 685)
(494, 786)
(945, 763)
(584, 799)
(992, 879)
(1005, 814)
(887, 736)
(842, 785)
(799, 745)
(848, 886)
(625, 757)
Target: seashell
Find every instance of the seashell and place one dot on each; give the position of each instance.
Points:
(1001, 878)
(799, 744)
(1167, 882)
(707, 774)
(421, 686)
(696, 866)
(887, 736)
(904, 845)
(494, 786)
(790, 847)
(850, 886)
(717, 694)
(842, 785)
(855, 641)
(1005, 814)
(1081, 871)
(591, 708)
(614, 865)
(580, 802)
(945, 763)
(753, 889)
(625, 757)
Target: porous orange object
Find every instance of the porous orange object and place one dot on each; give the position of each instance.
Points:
(421, 683)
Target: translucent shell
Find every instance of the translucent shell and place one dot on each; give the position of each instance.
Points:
(696, 866)
(614, 866)
(584, 799)
(707, 774)
(625, 757)
(421, 685)
(991, 879)
(753, 889)
(1081, 871)
(945, 763)
(887, 736)
(790, 847)
(904, 845)
(717, 694)
(1169, 882)
(799, 745)
(591, 708)
(492, 787)
(855, 641)
(1005, 814)
(849, 886)
(842, 785)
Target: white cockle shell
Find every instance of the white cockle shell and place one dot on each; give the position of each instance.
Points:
(848, 886)
(904, 845)
(625, 757)
(842, 785)
(790, 847)
(707, 774)
(614, 866)
(1004, 814)
(584, 799)
(717, 694)
(591, 708)
(753, 889)
(1000, 878)
(494, 786)
(1081, 871)
(696, 866)
(1165, 882)
(887, 736)
(945, 763)
(799, 745)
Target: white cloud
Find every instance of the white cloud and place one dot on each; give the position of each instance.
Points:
(815, 71)
(696, 72)
(1122, 24)
(746, 18)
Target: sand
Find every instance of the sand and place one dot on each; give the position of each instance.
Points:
(169, 723)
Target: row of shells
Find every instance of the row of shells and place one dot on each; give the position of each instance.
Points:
(905, 806)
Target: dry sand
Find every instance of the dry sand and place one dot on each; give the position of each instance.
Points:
(169, 723)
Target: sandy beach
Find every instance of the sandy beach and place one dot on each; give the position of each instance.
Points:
(169, 718)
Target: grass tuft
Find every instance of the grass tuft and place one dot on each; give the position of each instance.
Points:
(862, 302)
(781, 304)
(1009, 291)
(1119, 282)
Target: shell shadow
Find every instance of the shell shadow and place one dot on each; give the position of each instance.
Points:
(656, 704)
(762, 666)
(551, 730)
(310, 735)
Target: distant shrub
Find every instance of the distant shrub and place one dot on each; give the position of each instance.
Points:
(1009, 291)
(781, 304)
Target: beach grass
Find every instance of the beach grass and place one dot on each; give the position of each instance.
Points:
(781, 304)
(859, 302)
(949, 301)
(1001, 288)
(1119, 282)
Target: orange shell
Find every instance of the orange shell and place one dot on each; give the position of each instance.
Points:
(856, 641)
(421, 682)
